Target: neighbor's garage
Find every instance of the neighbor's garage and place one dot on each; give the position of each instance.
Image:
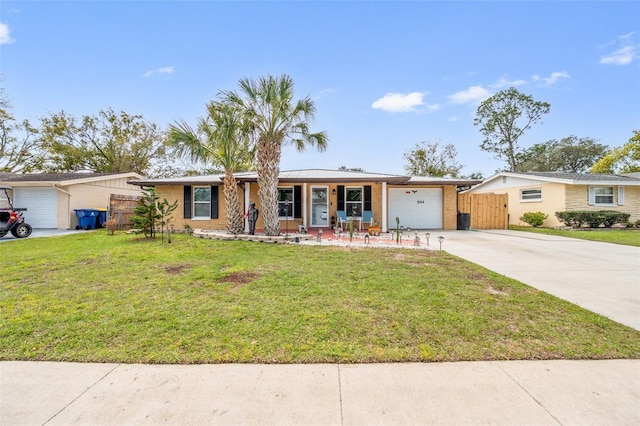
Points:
(416, 208)
(41, 205)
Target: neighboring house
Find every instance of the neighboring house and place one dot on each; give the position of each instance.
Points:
(553, 192)
(316, 195)
(51, 199)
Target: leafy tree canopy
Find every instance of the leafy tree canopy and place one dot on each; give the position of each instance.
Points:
(18, 142)
(624, 159)
(106, 142)
(504, 118)
(432, 159)
(570, 154)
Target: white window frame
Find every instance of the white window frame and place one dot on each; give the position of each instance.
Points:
(534, 195)
(348, 211)
(281, 203)
(201, 202)
(593, 196)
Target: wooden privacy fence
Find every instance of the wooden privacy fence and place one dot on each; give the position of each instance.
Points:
(121, 208)
(487, 211)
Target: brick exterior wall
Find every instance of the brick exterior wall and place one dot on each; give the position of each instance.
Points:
(577, 198)
(175, 192)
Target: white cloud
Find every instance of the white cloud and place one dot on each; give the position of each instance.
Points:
(162, 70)
(503, 82)
(400, 102)
(625, 53)
(5, 37)
(552, 79)
(471, 95)
(322, 93)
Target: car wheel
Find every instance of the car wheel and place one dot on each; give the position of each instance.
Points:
(23, 230)
(3, 233)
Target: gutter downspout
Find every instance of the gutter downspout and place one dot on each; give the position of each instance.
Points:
(68, 215)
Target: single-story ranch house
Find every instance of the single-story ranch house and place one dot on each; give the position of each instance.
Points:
(553, 192)
(51, 199)
(313, 198)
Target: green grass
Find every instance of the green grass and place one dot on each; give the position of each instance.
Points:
(629, 237)
(99, 298)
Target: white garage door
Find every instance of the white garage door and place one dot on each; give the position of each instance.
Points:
(41, 205)
(416, 208)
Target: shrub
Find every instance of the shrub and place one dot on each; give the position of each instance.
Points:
(534, 219)
(594, 218)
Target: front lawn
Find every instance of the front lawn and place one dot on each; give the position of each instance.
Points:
(100, 298)
(629, 237)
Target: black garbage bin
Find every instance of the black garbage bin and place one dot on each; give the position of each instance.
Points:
(464, 221)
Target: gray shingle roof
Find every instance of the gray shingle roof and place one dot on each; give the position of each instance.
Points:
(309, 176)
(49, 177)
(587, 177)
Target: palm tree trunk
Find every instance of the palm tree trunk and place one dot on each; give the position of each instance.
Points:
(268, 165)
(234, 214)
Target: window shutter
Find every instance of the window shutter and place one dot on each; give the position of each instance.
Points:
(592, 196)
(340, 203)
(297, 202)
(187, 202)
(367, 197)
(621, 195)
(214, 202)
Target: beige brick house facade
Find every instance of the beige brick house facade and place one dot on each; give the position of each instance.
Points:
(316, 197)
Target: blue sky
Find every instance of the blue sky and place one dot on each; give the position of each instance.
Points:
(384, 75)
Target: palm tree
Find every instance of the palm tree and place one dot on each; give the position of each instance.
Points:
(220, 140)
(275, 119)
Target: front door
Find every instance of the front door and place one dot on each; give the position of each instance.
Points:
(319, 206)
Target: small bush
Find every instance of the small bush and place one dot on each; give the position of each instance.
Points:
(112, 225)
(535, 219)
(594, 219)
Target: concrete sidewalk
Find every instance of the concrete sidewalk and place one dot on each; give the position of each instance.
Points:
(498, 392)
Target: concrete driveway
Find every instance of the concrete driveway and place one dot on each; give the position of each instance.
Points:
(42, 233)
(601, 277)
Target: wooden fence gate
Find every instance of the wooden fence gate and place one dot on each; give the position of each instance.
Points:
(487, 211)
(121, 208)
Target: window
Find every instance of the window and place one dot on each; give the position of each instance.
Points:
(531, 194)
(201, 202)
(603, 195)
(353, 201)
(285, 202)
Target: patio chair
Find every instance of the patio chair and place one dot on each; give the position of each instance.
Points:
(342, 218)
(367, 218)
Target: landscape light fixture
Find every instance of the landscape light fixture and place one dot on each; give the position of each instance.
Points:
(319, 235)
(428, 235)
(441, 239)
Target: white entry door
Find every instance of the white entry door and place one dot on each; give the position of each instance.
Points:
(416, 208)
(319, 206)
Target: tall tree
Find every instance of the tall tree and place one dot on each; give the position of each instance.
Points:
(504, 117)
(108, 142)
(221, 140)
(276, 119)
(570, 154)
(432, 159)
(18, 142)
(624, 159)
